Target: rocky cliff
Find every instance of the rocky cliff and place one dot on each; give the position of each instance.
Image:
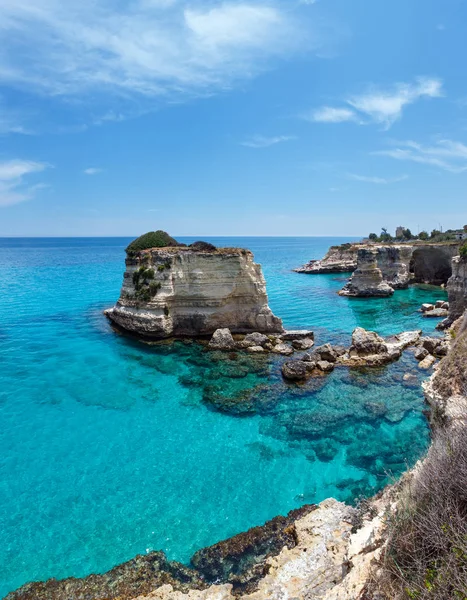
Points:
(339, 259)
(457, 290)
(180, 291)
(381, 269)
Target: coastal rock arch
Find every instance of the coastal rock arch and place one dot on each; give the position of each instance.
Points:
(432, 264)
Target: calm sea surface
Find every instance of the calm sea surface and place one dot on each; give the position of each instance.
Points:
(110, 448)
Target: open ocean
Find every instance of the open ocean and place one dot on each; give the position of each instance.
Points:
(108, 447)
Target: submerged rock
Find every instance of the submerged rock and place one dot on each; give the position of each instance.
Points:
(297, 334)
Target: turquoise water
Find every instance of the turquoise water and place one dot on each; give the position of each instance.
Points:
(110, 448)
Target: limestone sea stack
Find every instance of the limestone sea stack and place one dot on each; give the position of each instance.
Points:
(367, 280)
(191, 291)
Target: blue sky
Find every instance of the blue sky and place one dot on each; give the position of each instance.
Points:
(262, 117)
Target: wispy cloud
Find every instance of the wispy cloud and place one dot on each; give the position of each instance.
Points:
(381, 106)
(328, 114)
(260, 141)
(444, 154)
(145, 48)
(13, 187)
(92, 171)
(376, 180)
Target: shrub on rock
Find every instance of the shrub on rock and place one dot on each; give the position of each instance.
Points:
(152, 239)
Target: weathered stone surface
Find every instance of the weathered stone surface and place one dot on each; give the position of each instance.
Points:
(327, 352)
(427, 307)
(304, 344)
(325, 366)
(170, 292)
(421, 353)
(457, 290)
(248, 551)
(295, 370)
(339, 259)
(256, 339)
(427, 362)
(367, 342)
(297, 334)
(284, 349)
(367, 280)
(436, 313)
(255, 349)
(222, 340)
(134, 578)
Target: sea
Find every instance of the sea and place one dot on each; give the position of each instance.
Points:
(111, 448)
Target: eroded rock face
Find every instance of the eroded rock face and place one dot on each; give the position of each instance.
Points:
(367, 280)
(339, 259)
(170, 292)
(381, 269)
(457, 289)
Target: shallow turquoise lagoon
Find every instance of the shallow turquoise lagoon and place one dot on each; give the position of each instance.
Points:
(110, 448)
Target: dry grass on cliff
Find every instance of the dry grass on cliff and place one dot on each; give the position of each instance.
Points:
(426, 555)
(451, 378)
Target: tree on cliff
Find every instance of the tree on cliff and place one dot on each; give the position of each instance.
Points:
(423, 235)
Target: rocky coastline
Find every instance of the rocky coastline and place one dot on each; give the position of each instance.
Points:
(379, 269)
(329, 551)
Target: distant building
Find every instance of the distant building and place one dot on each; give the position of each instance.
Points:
(400, 231)
(460, 235)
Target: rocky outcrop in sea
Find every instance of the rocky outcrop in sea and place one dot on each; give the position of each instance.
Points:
(191, 292)
(338, 259)
(379, 269)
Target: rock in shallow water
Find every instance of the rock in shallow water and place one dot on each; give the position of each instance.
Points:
(222, 340)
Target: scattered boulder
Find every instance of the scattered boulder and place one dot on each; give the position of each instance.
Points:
(421, 353)
(427, 307)
(325, 366)
(303, 344)
(327, 353)
(255, 349)
(427, 362)
(281, 348)
(442, 304)
(296, 370)
(410, 380)
(405, 339)
(297, 334)
(255, 339)
(222, 340)
(440, 313)
(366, 343)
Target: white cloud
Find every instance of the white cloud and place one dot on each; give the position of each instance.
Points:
(380, 106)
(13, 188)
(328, 114)
(259, 141)
(142, 49)
(376, 180)
(445, 154)
(92, 171)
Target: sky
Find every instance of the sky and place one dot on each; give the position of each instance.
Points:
(255, 117)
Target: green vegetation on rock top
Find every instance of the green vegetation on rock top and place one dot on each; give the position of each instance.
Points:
(152, 239)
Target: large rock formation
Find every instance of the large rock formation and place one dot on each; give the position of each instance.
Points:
(179, 291)
(457, 290)
(381, 269)
(339, 259)
(367, 280)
